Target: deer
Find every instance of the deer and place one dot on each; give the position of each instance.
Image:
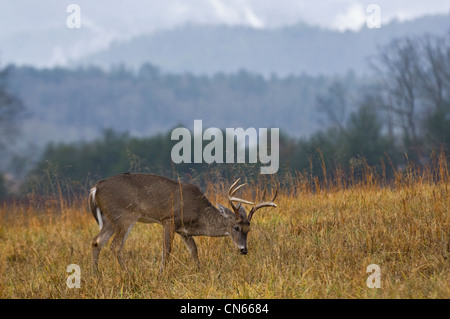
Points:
(119, 202)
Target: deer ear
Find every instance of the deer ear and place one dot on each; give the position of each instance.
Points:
(242, 211)
(225, 211)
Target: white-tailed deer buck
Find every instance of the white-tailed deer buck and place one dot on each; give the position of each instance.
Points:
(118, 202)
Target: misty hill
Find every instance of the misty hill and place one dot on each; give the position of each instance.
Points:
(290, 50)
(70, 105)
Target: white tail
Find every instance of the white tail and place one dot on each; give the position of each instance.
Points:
(92, 203)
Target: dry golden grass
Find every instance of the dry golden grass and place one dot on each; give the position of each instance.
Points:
(314, 245)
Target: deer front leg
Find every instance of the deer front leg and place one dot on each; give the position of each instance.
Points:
(169, 230)
(192, 247)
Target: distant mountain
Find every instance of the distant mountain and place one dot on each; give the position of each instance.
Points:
(70, 105)
(289, 50)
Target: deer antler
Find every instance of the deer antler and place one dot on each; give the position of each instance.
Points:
(233, 189)
(263, 204)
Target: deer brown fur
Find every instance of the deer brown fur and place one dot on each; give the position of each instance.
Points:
(118, 202)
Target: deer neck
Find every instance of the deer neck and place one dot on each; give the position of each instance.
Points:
(212, 223)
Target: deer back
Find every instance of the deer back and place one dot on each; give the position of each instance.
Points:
(150, 198)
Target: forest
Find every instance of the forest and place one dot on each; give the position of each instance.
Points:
(86, 124)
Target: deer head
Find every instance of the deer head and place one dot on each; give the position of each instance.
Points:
(238, 224)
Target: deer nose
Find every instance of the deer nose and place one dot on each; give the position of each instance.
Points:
(244, 251)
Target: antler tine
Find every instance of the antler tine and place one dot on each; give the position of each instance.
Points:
(236, 189)
(233, 185)
(239, 200)
(233, 189)
(263, 204)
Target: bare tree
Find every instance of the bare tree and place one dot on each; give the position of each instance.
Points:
(414, 82)
(397, 69)
(434, 71)
(334, 103)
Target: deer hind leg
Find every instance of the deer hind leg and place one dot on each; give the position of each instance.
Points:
(169, 231)
(100, 240)
(121, 234)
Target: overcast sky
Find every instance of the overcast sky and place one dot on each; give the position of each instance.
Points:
(122, 18)
(29, 26)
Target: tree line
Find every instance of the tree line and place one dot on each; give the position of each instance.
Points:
(399, 117)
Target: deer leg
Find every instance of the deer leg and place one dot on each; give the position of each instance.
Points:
(192, 247)
(100, 240)
(167, 242)
(119, 241)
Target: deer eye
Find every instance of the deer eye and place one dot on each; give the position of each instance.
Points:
(236, 228)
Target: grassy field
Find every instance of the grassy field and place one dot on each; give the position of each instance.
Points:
(316, 244)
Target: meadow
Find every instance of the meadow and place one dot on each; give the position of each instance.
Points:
(317, 243)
